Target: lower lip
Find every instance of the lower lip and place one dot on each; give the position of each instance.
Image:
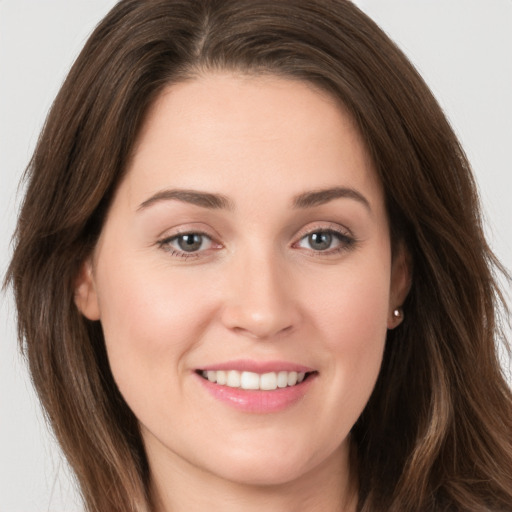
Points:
(256, 401)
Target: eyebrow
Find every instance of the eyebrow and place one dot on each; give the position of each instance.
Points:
(320, 197)
(203, 199)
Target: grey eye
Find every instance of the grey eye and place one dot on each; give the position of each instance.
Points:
(325, 240)
(320, 241)
(190, 243)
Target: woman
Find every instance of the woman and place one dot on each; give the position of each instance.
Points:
(250, 271)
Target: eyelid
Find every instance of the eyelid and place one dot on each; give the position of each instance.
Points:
(329, 226)
(187, 228)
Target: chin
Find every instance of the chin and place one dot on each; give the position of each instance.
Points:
(269, 466)
(260, 471)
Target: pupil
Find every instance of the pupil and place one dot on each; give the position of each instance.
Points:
(190, 243)
(320, 241)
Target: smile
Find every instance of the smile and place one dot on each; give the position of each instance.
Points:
(254, 381)
(257, 387)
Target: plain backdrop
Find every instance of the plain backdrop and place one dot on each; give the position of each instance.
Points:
(463, 48)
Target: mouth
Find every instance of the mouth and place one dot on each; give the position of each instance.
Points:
(246, 380)
(257, 386)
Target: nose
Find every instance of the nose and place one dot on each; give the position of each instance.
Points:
(260, 301)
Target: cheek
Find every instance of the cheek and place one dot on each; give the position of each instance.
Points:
(150, 321)
(352, 319)
(354, 303)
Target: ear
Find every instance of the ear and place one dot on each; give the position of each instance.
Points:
(86, 298)
(401, 279)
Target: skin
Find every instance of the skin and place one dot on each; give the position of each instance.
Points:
(255, 289)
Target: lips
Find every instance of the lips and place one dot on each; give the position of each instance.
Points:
(257, 387)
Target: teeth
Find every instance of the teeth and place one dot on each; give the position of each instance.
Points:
(222, 378)
(291, 379)
(250, 380)
(268, 381)
(233, 380)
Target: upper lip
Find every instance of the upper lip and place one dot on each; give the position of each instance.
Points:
(248, 365)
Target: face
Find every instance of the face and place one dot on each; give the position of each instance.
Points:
(244, 280)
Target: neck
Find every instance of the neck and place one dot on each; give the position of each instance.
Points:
(330, 487)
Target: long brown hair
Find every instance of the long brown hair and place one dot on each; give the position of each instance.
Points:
(437, 432)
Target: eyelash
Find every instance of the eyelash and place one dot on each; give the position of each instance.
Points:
(346, 242)
(165, 244)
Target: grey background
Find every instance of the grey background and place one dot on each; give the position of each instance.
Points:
(463, 48)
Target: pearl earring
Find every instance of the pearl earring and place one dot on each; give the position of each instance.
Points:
(397, 313)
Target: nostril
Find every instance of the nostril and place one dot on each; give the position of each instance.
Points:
(262, 332)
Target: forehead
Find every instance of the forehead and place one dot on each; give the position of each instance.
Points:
(236, 133)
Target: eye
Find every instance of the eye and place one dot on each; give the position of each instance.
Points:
(186, 243)
(326, 240)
